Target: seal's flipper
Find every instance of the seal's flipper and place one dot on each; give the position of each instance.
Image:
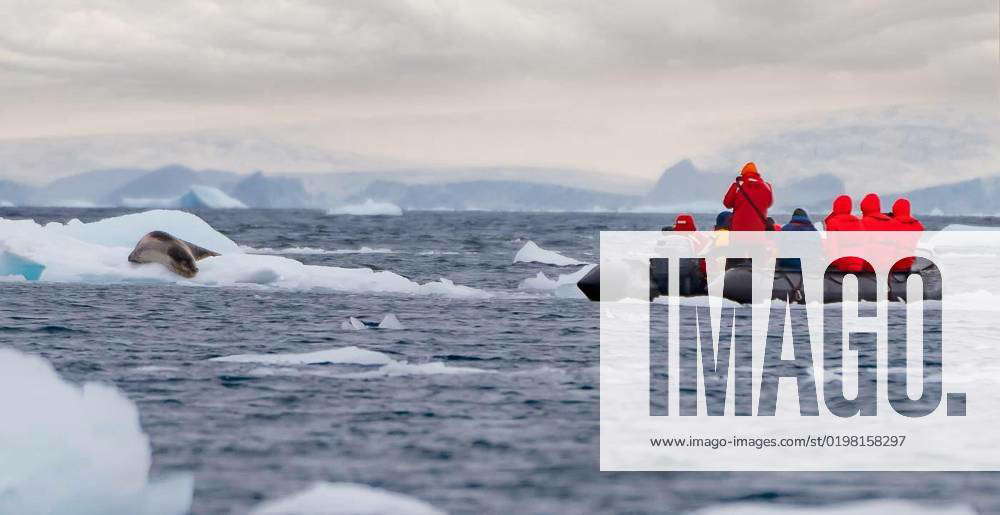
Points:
(200, 253)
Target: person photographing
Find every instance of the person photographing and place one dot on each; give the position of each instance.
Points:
(749, 197)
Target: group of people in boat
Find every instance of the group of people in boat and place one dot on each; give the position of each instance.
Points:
(750, 196)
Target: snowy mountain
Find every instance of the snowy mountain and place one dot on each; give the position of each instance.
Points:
(491, 196)
(259, 190)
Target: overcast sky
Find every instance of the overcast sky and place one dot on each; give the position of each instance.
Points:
(616, 86)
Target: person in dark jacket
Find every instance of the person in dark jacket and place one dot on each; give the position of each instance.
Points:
(799, 222)
(749, 197)
(722, 221)
(902, 220)
(841, 219)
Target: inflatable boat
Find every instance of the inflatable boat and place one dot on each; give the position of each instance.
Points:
(738, 285)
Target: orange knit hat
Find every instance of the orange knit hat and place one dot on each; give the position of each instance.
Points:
(749, 169)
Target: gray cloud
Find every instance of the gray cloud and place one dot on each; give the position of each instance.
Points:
(620, 86)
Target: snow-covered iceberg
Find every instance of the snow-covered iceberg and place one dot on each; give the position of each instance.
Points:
(97, 252)
(345, 499)
(198, 197)
(69, 449)
(368, 208)
(532, 253)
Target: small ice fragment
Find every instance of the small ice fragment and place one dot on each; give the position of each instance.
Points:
(353, 324)
(390, 322)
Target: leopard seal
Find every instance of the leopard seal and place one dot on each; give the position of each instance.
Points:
(174, 253)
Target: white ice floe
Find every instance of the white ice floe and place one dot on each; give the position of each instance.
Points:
(875, 507)
(345, 499)
(532, 253)
(98, 252)
(345, 355)
(387, 367)
(69, 449)
(563, 286)
(305, 251)
(368, 208)
(353, 324)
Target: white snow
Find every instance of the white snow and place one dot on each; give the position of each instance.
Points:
(197, 197)
(69, 449)
(532, 253)
(368, 208)
(387, 367)
(563, 286)
(345, 499)
(98, 253)
(875, 507)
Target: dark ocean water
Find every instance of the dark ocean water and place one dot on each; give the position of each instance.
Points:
(520, 438)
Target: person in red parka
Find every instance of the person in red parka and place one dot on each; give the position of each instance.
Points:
(684, 222)
(873, 219)
(902, 220)
(841, 219)
(749, 205)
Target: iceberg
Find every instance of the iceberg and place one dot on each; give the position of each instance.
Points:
(198, 197)
(368, 208)
(532, 253)
(345, 499)
(390, 321)
(14, 265)
(208, 197)
(69, 449)
(97, 252)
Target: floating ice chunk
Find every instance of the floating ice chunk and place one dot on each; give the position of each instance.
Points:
(387, 367)
(126, 230)
(345, 499)
(876, 507)
(69, 449)
(390, 322)
(13, 265)
(368, 208)
(353, 324)
(98, 253)
(345, 355)
(305, 251)
(562, 286)
(532, 253)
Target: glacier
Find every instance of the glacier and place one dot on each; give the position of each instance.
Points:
(97, 252)
(80, 450)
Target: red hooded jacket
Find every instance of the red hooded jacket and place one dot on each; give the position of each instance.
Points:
(745, 217)
(684, 222)
(873, 219)
(902, 220)
(841, 219)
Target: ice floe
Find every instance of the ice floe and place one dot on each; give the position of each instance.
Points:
(69, 449)
(532, 253)
(97, 252)
(562, 286)
(278, 364)
(368, 208)
(345, 499)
